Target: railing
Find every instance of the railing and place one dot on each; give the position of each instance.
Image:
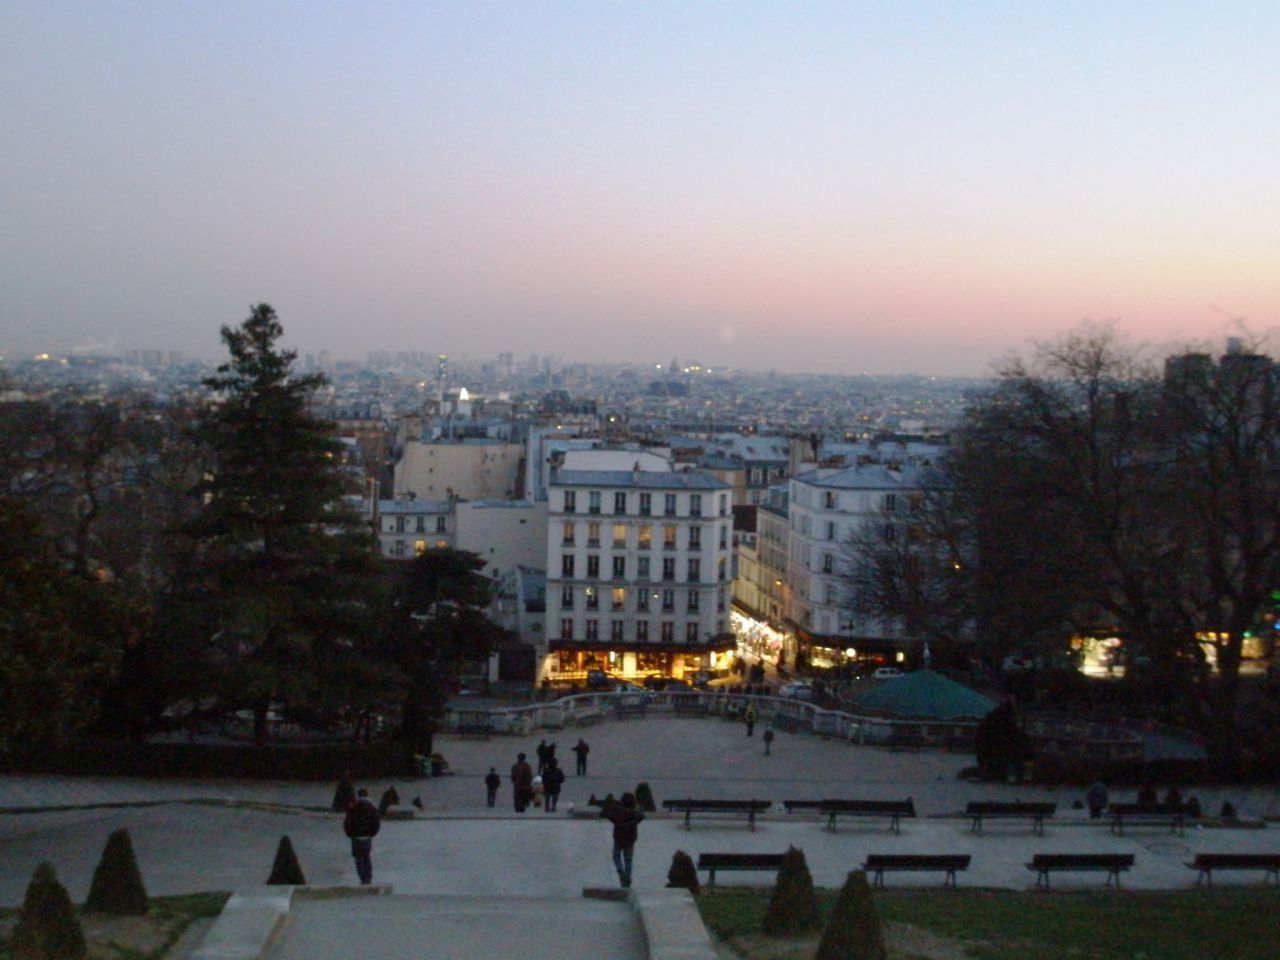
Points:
(1050, 736)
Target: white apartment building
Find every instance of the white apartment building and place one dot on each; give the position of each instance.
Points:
(638, 569)
(826, 506)
(502, 533)
(409, 528)
(468, 469)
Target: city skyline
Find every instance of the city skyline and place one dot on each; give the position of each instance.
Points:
(917, 189)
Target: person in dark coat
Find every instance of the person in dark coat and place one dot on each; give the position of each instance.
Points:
(1096, 798)
(552, 780)
(768, 739)
(1147, 795)
(541, 751)
(521, 783)
(626, 829)
(361, 824)
(491, 784)
(581, 749)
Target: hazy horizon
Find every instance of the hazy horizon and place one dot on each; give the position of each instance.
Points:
(918, 188)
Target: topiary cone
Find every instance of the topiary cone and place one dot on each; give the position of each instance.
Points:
(48, 928)
(389, 799)
(793, 906)
(117, 886)
(683, 873)
(344, 795)
(853, 929)
(286, 870)
(644, 798)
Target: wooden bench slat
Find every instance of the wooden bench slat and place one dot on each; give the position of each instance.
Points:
(949, 863)
(1112, 863)
(832, 808)
(1036, 812)
(1206, 863)
(1175, 814)
(691, 806)
(711, 862)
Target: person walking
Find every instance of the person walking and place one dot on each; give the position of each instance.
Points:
(521, 783)
(361, 824)
(626, 828)
(751, 717)
(581, 749)
(551, 783)
(768, 738)
(491, 784)
(543, 753)
(1096, 798)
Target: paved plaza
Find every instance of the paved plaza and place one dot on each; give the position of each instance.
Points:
(220, 835)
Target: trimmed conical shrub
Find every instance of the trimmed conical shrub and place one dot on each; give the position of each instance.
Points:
(683, 873)
(389, 799)
(644, 798)
(117, 886)
(793, 906)
(48, 928)
(853, 930)
(286, 869)
(344, 795)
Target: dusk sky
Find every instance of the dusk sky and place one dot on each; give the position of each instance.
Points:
(828, 187)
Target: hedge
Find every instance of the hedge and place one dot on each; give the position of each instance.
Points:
(311, 762)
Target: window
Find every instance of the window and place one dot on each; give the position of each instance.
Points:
(642, 565)
(593, 598)
(646, 503)
(619, 534)
(419, 547)
(831, 530)
(619, 567)
(720, 600)
(615, 630)
(756, 479)
(642, 630)
(644, 534)
(668, 568)
(566, 598)
(668, 601)
(669, 537)
(441, 544)
(694, 600)
(721, 571)
(695, 537)
(668, 631)
(593, 566)
(829, 499)
(593, 629)
(694, 573)
(724, 504)
(399, 524)
(724, 537)
(619, 598)
(440, 525)
(566, 629)
(567, 538)
(398, 549)
(570, 501)
(593, 501)
(890, 533)
(642, 599)
(890, 502)
(691, 633)
(829, 593)
(566, 565)
(620, 505)
(593, 534)
(695, 504)
(669, 505)
(828, 563)
(422, 525)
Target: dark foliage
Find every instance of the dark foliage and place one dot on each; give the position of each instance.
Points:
(853, 929)
(644, 798)
(683, 873)
(793, 905)
(48, 928)
(117, 886)
(286, 870)
(344, 795)
(389, 799)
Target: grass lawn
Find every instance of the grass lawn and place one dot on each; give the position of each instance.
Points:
(1241, 923)
(135, 938)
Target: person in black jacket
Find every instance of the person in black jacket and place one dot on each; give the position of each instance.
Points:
(491, 784)
(552, 779)
(361, 824)
(626, 828)
(581, 749)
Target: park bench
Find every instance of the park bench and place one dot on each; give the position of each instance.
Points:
(711, 862)
(1112, 863)
(894, 809)
(631, 707)
(479, 729)
(690, 807)
(878, 864)
(1174, 814)
(1206, 863)
(1035, 812)
(690, 705)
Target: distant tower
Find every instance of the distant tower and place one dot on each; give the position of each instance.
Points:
(442, 367)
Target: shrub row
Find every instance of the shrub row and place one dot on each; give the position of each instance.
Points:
(1082, 771)
(311, 762)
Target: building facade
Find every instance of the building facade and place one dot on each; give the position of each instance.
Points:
(638, 572)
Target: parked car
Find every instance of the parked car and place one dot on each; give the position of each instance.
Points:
(797, 690)
(886, 673)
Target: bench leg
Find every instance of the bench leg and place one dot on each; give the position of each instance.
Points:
(977, 825)
(878, 879)
(831, 822)
(687, 814)
(1113, 875)
(949, 880)
(894, 825)
(1205, 875)
(1037, 826)
(1042, 880)
(751, 820)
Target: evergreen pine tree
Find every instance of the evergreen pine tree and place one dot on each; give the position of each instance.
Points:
(683, 873)
(644, 798)
(48, 928)
(793, 906)
(286, 869)
(117, 886)
(853, 929)
(389, 799)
